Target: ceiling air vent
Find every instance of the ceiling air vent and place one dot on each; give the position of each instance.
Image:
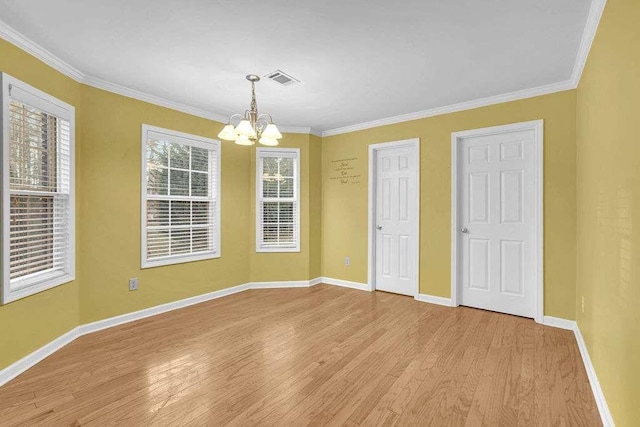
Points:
(282, 78)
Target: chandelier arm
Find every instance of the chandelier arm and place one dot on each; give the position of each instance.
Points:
(266, 116)
(233, 116)
(263, 121)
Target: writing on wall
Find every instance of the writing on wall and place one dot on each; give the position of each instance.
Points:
(346, 171)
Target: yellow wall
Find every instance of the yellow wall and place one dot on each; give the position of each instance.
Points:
(608, 172)
(315, 206)
(345, 205)
(109, 182)
(27, 324)
(303, 265)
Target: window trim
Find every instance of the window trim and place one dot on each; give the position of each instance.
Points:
(54, 106)
(296, 182)
(195, 141)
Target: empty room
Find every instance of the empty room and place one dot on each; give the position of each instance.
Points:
(319, 213)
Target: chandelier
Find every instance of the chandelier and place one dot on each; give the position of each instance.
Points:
(251, 126)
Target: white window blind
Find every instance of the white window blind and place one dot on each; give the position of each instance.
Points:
(278, 200)
(181, 203)
(38, 194)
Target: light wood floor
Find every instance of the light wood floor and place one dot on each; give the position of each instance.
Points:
(321, 356)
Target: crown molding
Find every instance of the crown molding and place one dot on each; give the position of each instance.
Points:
(152, 99)
(31, 47)
(453, 108)
(593, 20)
(588, 35)
(14, 37)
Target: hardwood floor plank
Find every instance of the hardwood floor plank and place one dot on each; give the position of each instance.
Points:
(368, 397)
(318, 356)
(464, 392)
(406, 384)
(430, 400)
(525, 343)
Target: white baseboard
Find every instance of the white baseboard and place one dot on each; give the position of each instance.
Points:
(558, 322)
(18, 367)
(601, 402)
(174, 305)
(315, 281)
(598, 394)
(434, 300)
(279, 285)
(15, 369)
(158, 309)
(345, 283)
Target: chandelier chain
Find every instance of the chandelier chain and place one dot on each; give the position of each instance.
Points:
(254, 104)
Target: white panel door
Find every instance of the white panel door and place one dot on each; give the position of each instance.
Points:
(395, 219)
(497, 217)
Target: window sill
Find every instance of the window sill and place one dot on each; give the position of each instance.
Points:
(32, 287)
(179, 259)
(277, 250)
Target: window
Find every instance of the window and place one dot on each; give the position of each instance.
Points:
(278, 200)
(180, 197)
(38, 205)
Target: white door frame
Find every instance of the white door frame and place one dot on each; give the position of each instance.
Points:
(413, 143)
(538, 127)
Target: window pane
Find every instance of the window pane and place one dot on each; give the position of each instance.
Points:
(200, 212)
(32, 235)
(157, 180)
(157, 212)
(286, 233)
(270, 234)
(286, 212)
(199, 184)
(158, 243)
(157, 153)
(199, 159)
(179, 156)
(180, 213)
(33, 137)
(200, 239)
(286, 167)
(180, 241)
(286, 187)
(270, 212)
(269, 166)
(270, 188)
(179, 183)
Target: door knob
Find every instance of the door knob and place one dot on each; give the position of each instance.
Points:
(464, 230)
(378, 227)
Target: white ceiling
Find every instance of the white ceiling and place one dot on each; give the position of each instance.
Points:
(359, 60)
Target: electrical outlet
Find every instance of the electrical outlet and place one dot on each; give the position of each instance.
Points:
(133, 284)
(347, 261)
(583, 304)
